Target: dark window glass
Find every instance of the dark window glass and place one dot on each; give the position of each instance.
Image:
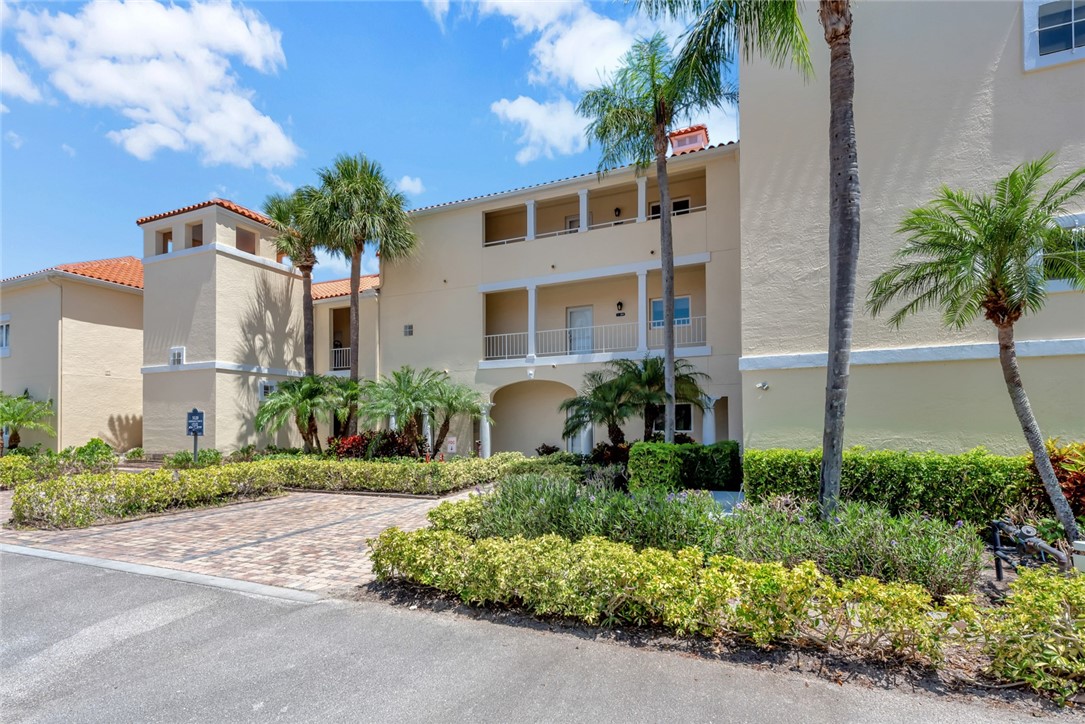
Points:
(1055, 13)
(1079, 29)
(1055, 40)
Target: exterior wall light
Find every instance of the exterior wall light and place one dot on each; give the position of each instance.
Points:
(617, 211)
(762, 385)
(620, 306)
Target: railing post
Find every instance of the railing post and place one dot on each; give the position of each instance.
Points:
(531, 321)
(530, 203)
(583, 210)
(642, 199)
(642, 309)
(484, 431)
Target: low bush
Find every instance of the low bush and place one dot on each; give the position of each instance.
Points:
(183, 460)
(374, 444)
(135, 453)
(16, 470)
(943, 558)
(1069, 463)
(80, 500)
(975, 487)
(1034, 638)
(94, 457)
(666, 466)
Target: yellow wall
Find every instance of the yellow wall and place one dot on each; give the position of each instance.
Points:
(33, 364)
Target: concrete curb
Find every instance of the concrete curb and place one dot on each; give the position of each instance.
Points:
(200, 579)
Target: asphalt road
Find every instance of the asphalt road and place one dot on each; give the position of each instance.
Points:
(85, 644)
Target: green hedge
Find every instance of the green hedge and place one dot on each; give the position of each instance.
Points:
(975, 486)
(599, 581)
(670, 466)
(16, 470)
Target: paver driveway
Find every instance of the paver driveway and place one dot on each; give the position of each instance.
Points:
(307, 541)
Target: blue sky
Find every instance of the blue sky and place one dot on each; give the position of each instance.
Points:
(112, 111)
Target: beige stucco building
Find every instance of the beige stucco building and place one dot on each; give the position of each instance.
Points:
(73, 334)
(519, 293)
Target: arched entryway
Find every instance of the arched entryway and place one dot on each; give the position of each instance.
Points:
(526, 415)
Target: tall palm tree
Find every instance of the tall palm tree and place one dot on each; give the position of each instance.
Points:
(604, 400)
(286, 213)
(645, 382)
(630, 118)
(452, 399)
(356, 206)
(405, 396)
(305, 400)
(774, 29)
(21, 412)
(992, 253)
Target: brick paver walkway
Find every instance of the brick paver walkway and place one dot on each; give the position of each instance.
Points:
(307, 541)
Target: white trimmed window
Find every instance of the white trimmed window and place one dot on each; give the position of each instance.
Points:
(177, 356)
(266, 388)
(1054, 32)
(683, 418)
(681, 312)
(678, 207)
(1076, 224)
(5, 338)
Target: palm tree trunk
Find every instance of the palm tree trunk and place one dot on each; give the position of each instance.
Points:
(1007, 355)
(355, 326)
(442, 433)
(616, 434)
(307, 318)
(666, 254)
(649, 422)
(835, 18)
(14, 439)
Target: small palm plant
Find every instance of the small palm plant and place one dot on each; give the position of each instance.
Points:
(453, 399)
(992, 254)
(304, 400)
(405, 396)
(603, 400)
(644, 381)
(21, 412)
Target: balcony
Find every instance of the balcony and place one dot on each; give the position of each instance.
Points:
(597, 339)
(340, 358)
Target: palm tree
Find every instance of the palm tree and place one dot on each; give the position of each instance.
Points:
(604, 400)
(630, 118)
(452, 399)
(970, 253)
(305, 400)
(21, 412)
(645, 381)
(357, 206)
(405, 397)
(285, 213)
(774, 29)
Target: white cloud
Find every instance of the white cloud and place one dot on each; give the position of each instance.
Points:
(15, 82)
(439, 10)
(169, 70)
(4, 109)
(14, 139)
(546, 129)
(280, 183)
(67, 149)
(411, 185)
(530, 16)
(335, 266)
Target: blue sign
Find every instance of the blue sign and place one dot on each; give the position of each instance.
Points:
(195, 422)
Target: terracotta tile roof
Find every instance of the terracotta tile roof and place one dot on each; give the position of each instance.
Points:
(548, 183)
(126, 271)
(687, 129)
(341, 287)
(224, 203)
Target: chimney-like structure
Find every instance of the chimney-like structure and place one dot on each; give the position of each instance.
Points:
(688, 140)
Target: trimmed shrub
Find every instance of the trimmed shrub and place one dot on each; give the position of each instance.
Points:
(1069, 463)
(666, 466)
(135, 453)
(373, 444)
(976, 486)
(16, 470)
(81, 500)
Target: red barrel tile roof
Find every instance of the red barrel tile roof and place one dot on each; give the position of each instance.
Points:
(124, 270)
(224, 203)
(341, 287)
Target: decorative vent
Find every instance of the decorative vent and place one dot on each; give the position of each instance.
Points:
(408, 330)
(266, 388)
(177, 356)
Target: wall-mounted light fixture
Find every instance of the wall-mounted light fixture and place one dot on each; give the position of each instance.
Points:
(617, 211)
(762, 385)
(620, 306)
(531, 373)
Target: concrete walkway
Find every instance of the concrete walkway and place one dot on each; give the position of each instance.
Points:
(306, 541)
(84, 644)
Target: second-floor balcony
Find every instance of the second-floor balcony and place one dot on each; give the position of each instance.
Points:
(596, 339)
(340, 358)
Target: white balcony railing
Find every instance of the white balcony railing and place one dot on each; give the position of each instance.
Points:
(587, 340)
(687, 333)
(340, 358)
(506, 346)
(602, 225)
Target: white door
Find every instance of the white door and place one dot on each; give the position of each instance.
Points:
(578, 320)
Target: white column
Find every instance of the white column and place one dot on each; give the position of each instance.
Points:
(708, 421)
(392, 422)
(531, 322)
(642, 199)
(583, 210)
(427, 429)
(484, 431)
(530, 203)
(642, 311)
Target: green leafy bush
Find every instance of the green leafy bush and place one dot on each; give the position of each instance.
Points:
(975, 486)
(94, 457)
(81, 500)
(600, 581)
(135, 453)
(943, 558)
(16, 470)
(182, 460)
(672, 466)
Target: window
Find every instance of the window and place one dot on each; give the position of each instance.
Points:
(683, 418)
(572, 223)
(163, 241)
(678, 206)
(1054, 32)
(681, 312)
(408, 330)
(177, 356)
(5, 338)
(266, 388)
(1072, 246)
(246, 240)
